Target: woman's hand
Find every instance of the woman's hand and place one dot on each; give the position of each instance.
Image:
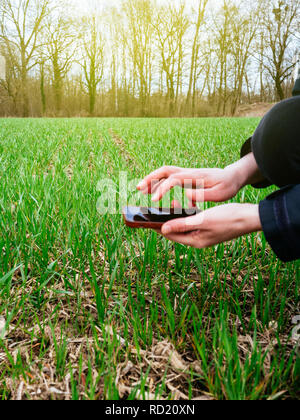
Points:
(214, 226)
(206, 184)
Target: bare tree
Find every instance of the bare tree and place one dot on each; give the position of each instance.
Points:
(60, 44)
(42, 66)
(280, 24)
(146, 58)
(223, 48)
(170, 26)
(11, 82)
(244, 25)
(139, 14)
(93, 44)
(20, 25)
(202, 4)
(116, 38)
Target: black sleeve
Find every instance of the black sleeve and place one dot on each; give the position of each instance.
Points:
(245, 150)
(280, 218)
(276, 144)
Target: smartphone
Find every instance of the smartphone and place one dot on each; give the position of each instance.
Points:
(152, 217)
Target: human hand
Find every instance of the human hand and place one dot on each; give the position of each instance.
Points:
(206, 184)
(214, 226)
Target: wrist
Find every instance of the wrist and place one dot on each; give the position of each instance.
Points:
(251, 218)
(236, 176)
(245, 171)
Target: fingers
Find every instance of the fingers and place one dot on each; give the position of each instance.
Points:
(176, 205)
(204, 186)
(187, 224)
(193, 205)
(181, 179)
(151, 180)
(204, 195)
(153, 187)
(166, 186)
(195, 196)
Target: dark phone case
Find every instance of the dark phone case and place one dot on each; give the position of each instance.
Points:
(153, 218)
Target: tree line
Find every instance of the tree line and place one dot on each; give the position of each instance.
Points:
(145, 58)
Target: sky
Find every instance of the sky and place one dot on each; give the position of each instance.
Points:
(83, 5)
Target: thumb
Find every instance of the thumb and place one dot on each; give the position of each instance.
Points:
(186, 224)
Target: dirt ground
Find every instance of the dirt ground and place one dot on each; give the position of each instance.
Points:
(254, 110)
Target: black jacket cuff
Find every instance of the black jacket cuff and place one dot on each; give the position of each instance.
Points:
(280, 218)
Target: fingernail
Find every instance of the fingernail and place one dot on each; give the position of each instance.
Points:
(166, 230)
(141, 186)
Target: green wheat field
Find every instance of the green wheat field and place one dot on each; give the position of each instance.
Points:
(93, 310)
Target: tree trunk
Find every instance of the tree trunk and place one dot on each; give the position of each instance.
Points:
(92, 94)
(42, 88)
(57, 94)
(24, 89)
(193, 69)
(279, 88)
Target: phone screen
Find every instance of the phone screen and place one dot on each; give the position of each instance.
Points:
(141, 216)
